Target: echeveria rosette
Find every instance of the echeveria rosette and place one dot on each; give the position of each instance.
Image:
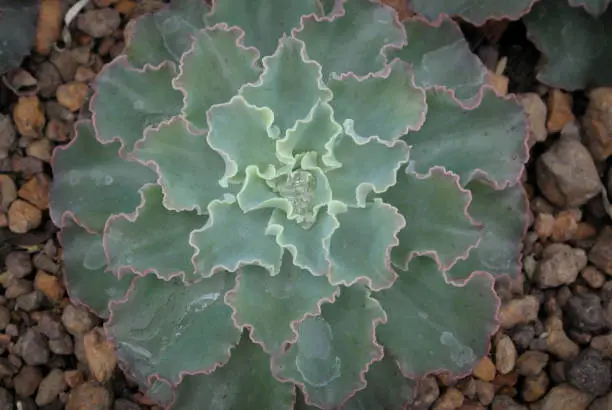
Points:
(292, 198)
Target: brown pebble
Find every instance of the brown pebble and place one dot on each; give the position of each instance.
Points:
(593, 276)
(565, 397)
(36, 191)
(532, 362)
(49, 27)
(601, 253)
(89, 396)
(597, 123)
(100, 354)
(534, 387)
(72, 95)
(559, 110)
(519, 311)
(8, 192)
(452, 399)
(41, 149)
(49, 285)
(484, 369)
(29, 117)
(73, 378)
(23, 217)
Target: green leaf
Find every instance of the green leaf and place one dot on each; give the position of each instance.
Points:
(217, 51)
(265, 21)
(290, 85)
(365, 167)
(334, 350)
(245, 382)
(577, 46)
(167, 329)
(353, 39)
(476, 12)
(440, 55)
(488, 139)
(437, 222)
(273, 306)
(93, 182)
(310, 134)
(18, 21)
(505, 216)
(166, 34)
(360, 246)
(241, 133)
(134, 241)
(594, 7)
(309, 247)
(171, 149)
(85, 268)
(386, 105)
(128, 100)
(231, 239)
(434, 325)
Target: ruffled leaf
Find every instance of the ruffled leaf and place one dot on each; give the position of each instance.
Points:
(577, 47)
(290, 100)
(434, 325)
(165, 35)
(171, 149)
(437, 222)
(365, 167)
(93, 182)
(386, 105)
(498, 252)
(232, 238)
(265, 21)
(440, 55)
(360, 246)
(594, 7)
(353, 39)
(219, 53)
(134, 241)
(476, 12)
(85, 269)
(167, 329)
(489, 138)
(127, 100)
(244, 382)
(241, 133)
(273, 306)
(334, 350)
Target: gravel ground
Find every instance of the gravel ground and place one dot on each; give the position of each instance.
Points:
(554, 347)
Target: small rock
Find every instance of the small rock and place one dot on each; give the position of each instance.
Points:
(522, 336)
(36, 191)
(99, 23)
(30, 302)
(505, 355)
(5, 317)
(41, 149)
(32, 347)
(49, 285)
(427, 392)
(18, 264)
(565, 397)
(534, 387)
(44, 262)
(531, 363)
(48, 78)
(603, 343)
(8, 192)
(559, 110)
(100, 355)
(7, 136)
(77, 320)
(565, 226)
(566, 174)
(23, 217)
(485, 392)
(519, 311)
(585, 313)
(84, 74)
(557, 341)
(7, 401)
(29, 117)
(89, 396)
(73, 378)
(536, 115)
(50, 387)
(72, 95)
(49, 27)
(603, 403)
(62, 345)
(597, 123)
(593, 276)
(560, 265)
(17, 288)
(49, 325)
(484, 369)
(601, 253)
(503, 402)
(27, 166)
(27, 381)
(590, 372)
(452, 399)
(124, 404)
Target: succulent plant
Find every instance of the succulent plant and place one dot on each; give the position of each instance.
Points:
(17, 31)
(298, 204)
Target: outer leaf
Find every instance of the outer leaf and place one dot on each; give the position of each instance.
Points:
(505, 216)
(352, 40)
(134, 241)
(273, 306)
(244, 382)
(17, 31)
(92, 181)
(370, 233)
(217, 51)
(593, 7)
(474, 11)
(169, 330)
(437, 222)
(334, 350)
(366, 166)
(309, 247)
(266, 21)
(290, 84)
(386, 105)
(241, 133)
(440, 55)
(231, 239)
(85, 268)
(578, 48)
(165, 34)
(488, 139)
(433, 325)
(171, 149)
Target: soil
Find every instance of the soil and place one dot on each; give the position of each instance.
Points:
(552, 351)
